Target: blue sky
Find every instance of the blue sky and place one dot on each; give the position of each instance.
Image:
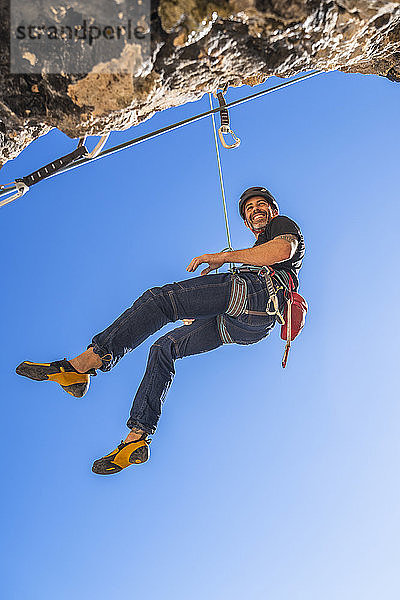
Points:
(263, 482)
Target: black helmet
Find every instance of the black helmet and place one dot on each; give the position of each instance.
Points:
(256, 191)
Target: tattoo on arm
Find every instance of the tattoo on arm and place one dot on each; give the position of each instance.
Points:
(288, 237)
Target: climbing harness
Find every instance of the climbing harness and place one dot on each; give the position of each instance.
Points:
(238, 300)
(225, 127)
(272, 307)
(15, 190)
(293, 319)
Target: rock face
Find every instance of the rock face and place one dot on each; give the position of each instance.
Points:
(196, 47)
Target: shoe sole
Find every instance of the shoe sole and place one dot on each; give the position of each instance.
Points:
(34, 371)
(102, 466)
(37, 372)
(140, 455)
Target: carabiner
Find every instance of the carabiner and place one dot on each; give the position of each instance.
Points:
(225, 127)
(223, 130)
(21, 190)
(98, 147)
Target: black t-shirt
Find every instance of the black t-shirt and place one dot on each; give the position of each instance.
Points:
(279, 226)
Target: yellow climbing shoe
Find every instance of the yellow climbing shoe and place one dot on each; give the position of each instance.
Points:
(60, 371)
(127, 453)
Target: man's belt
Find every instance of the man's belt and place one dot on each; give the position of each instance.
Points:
(280, 276)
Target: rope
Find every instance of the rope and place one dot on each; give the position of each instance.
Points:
(221, 179)
(173, 126)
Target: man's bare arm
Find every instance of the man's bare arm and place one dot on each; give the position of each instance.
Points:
(279, 249)
(292, 239)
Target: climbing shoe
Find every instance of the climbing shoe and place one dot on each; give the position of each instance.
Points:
(127, 453)
(60, 371)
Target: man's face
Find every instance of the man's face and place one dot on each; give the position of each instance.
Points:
(258, 212)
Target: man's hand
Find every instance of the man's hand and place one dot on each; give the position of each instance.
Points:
(214, 261)
(187, 321)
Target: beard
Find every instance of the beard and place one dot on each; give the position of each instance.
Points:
(259, 225)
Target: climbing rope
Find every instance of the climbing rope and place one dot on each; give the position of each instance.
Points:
(221, 180)
(19, 187)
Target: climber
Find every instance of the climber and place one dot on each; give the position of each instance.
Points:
(216, 309)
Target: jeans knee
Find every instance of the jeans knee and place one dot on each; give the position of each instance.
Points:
(164, 299)
(150, 294)
(164, 349)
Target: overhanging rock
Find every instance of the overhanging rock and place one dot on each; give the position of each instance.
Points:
(197, 47)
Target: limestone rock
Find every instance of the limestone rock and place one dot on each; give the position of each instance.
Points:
(197, 46)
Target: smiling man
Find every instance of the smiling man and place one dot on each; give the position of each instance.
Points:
(240, 307)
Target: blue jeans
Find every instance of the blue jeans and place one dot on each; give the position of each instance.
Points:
(206, 299)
